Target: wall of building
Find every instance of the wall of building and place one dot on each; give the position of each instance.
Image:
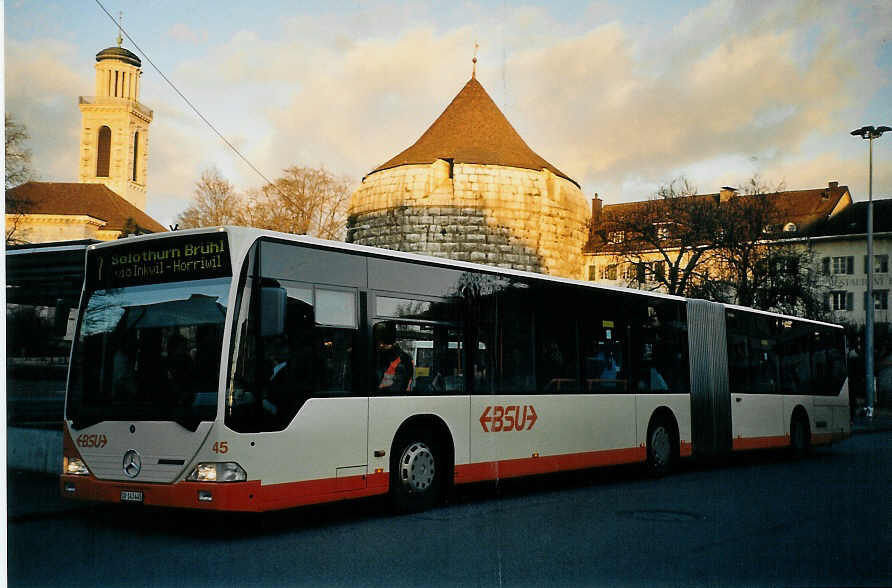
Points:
(45, 228)
(116, 105)
(856, 282)
(502, 216)
(124, 118)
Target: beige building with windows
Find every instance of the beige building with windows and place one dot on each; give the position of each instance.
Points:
(801, 213)
(840, 246)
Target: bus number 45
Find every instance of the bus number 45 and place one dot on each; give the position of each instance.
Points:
(508, 418)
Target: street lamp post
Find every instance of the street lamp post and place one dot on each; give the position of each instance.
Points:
(869, 133)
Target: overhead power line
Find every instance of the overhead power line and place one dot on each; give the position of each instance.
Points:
(186, 100)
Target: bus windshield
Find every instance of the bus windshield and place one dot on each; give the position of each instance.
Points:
(149, 352)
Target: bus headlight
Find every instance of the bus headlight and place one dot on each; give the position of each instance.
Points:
(228, 471)
(74, 466)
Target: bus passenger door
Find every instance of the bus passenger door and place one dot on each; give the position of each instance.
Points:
(757, 411)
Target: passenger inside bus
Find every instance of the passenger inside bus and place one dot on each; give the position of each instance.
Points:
(291, 366)
(179, 371)
(394, 368)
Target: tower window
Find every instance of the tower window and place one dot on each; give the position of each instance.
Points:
(104, 152)
(135, 155)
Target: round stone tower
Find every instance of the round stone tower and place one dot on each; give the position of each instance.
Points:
(471, 189)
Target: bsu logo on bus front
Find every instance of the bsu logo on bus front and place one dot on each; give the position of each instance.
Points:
(508, 418)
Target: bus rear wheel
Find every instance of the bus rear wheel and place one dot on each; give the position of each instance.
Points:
(800, 434)
(416, 473)
(661, 446)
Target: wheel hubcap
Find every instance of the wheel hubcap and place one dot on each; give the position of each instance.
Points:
(417, 467)
(661, 446)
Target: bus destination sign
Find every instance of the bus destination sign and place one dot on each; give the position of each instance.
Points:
(153, 261)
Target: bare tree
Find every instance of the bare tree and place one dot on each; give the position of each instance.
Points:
(18, 157)
(753, 264)
(305, 200)
(728, 247)
(666, 239)
(16, 209)
(215, 203)
(18, 171)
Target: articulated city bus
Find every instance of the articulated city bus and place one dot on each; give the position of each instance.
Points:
(247, 370)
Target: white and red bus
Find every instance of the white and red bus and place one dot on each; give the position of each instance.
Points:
(237, 369)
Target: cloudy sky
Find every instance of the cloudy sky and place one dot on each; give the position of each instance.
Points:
(623, 96)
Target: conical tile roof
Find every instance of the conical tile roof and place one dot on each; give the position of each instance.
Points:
(472, 129)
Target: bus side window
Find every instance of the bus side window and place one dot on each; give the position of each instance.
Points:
(516, 365)
(828, 360)
(738, 353)
(483, 348)
(447, 362)
(603, 336)
(557, 365)
(795, 363)
(334, 354)
(335, 337)
(659, 347)
(423, 359)
(763, 354)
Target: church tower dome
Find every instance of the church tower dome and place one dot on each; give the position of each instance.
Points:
(115, 127)
(470, 188)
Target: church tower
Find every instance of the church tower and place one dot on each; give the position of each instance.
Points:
(115, 127)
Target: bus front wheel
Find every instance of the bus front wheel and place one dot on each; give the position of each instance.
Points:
(416, 474)
(661, 446)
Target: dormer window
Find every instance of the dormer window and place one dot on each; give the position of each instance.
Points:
(662, 230)
(616, 236)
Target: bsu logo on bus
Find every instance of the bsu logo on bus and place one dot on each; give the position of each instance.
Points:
(508, 418)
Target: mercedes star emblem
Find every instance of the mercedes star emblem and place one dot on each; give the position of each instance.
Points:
(132, 464)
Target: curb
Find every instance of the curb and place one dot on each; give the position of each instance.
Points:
(883, 428)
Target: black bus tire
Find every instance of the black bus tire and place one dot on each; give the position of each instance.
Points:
(800, 434)
(416, 472)
(661, 446)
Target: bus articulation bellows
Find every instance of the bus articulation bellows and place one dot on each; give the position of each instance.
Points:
(236, 369)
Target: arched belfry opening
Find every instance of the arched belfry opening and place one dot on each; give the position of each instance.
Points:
(134, 173)
(103, 152)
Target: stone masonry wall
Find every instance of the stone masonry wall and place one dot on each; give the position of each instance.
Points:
(502, 216)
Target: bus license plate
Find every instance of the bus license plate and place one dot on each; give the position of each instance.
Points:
(131, 496)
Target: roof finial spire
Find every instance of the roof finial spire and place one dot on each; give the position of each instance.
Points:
(120, 27)
(474, 61)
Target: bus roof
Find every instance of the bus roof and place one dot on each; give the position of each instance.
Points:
(248, 234)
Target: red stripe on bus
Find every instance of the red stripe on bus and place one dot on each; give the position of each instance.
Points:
(248, 496)
(276, 496)
(251, 496)
(822, 438)
(744, 443)
(527, 466)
